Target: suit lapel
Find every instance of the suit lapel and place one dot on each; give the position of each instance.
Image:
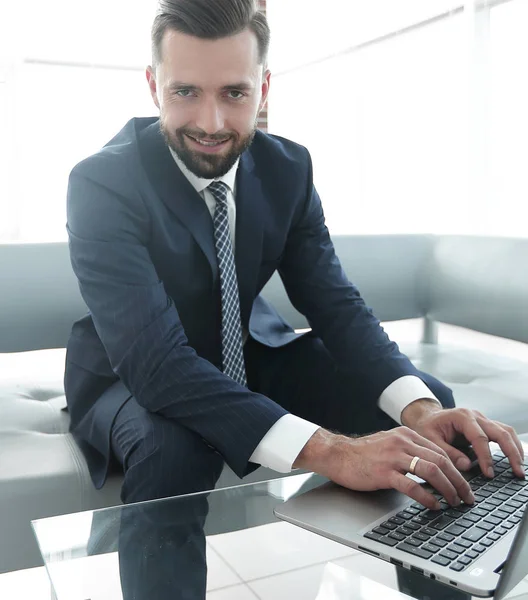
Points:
(176, 192)
(182, 199)
(250, 210)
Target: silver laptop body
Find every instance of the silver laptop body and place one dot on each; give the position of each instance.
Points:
(345, 516)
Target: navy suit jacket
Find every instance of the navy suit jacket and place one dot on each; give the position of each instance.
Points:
(142, 247)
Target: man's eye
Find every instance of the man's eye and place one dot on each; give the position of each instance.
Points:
(235, 95)
(184, 93)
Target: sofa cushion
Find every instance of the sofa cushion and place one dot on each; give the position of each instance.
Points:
(42, 471)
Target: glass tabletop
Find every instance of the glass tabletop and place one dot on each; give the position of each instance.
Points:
(155, 550)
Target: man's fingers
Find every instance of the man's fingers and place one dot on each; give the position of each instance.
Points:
(519, 445)
(439, 471)
(503, 436)
(440, 447)
(414, 490)
(515, 437)
(477, 437)
(458, 458)
(420, 440)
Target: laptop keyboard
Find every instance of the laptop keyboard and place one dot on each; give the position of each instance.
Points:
(455, 537)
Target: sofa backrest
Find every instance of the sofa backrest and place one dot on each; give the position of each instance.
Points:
(390, 272)
(480, 283)
(39, 297)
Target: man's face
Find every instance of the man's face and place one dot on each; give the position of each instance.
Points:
(209, 93)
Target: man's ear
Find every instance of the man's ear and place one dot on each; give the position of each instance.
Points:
(266, 80)
(151, 79)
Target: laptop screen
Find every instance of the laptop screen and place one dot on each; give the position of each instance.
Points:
(514, 569)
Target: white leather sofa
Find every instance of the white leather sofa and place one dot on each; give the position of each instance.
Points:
(477, 283)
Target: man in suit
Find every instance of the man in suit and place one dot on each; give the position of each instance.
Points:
(175, 226)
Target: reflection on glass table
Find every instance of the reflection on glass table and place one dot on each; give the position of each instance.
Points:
(152, 550)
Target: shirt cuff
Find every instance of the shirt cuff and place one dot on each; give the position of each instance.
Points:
(279, 448)
(403, 392)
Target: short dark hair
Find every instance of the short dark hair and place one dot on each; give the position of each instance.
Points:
(209, 19)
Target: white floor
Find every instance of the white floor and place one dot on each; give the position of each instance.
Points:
(276, 561)
(271, 562)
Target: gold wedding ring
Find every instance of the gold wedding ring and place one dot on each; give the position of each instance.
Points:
(413, 464)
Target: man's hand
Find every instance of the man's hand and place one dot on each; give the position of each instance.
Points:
(443, 427)
(381, 460)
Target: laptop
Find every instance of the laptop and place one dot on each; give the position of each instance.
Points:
(481, 549)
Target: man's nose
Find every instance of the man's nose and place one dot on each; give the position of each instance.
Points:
(210, 118)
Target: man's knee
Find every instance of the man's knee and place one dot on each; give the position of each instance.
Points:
(169, 460)
(162, 544)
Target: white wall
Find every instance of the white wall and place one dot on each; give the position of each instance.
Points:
(422, 132)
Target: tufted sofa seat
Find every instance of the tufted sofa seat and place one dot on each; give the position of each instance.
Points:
(477, 283)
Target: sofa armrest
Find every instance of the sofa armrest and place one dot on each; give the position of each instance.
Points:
(481, 283)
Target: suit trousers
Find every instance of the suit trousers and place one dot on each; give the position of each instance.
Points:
(161, 549)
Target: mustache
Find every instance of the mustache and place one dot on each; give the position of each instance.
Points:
(201, 135)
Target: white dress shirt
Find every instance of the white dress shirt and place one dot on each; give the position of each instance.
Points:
(281, 445)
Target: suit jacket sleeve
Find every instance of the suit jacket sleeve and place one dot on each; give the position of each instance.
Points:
(141, 331)
(318, 288)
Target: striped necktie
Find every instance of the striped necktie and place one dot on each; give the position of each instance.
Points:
(232, 347)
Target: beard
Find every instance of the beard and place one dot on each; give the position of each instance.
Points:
(207, 166)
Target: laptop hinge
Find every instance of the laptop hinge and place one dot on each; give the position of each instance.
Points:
(499, 568)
